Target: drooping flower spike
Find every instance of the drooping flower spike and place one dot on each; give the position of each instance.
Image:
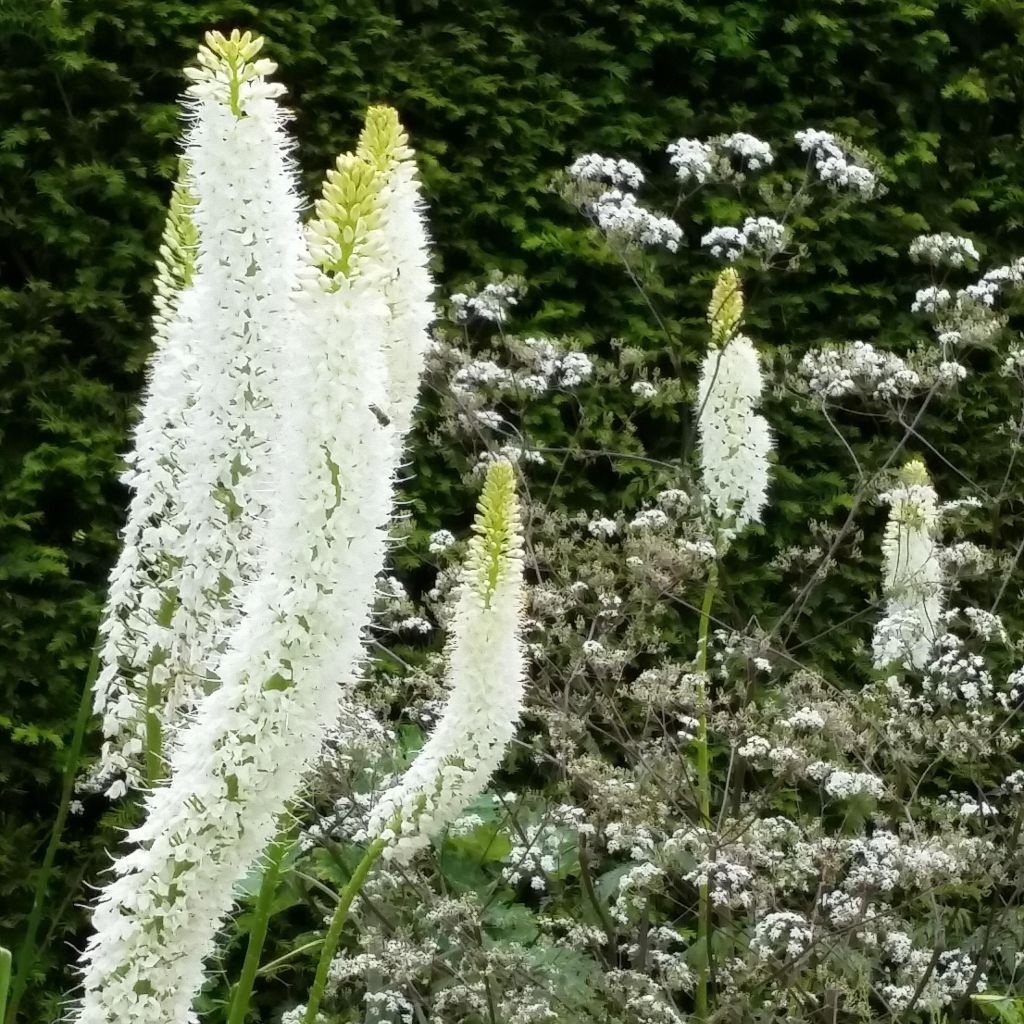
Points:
(735, 440)
(485, 673)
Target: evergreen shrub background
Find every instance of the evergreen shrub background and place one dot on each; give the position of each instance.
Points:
(496, 96)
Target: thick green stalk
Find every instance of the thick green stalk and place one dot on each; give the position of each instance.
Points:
(154, 734)
(27, 951)
(5, 979)
(261, 919)
(704, 793)
(330, 947)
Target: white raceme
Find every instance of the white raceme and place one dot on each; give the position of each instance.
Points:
(292, 655)
(224, 319)
(135, 623)
(912, 573)
(407, 284)
(485, 672)
(735, 440)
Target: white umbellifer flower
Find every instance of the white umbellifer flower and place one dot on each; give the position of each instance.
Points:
(622, 218)
(833, 163)
(594, 167)
(913, 575)
(842, 784)
(752, 152)
(692, 160)
(931, 300)
(725, 243)
(783, 935)
(858, 367)
(574, 368)
(602, 528)
(486, 670)
(192, 542)
(643, 389)
(943, 250)
(649, 519)
(763, 236)
(440, 540)
(735, 440)
(287, 672)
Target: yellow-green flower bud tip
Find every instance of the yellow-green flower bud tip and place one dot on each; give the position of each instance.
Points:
(497, 540)
(180, 238)
(346, 215)
(914, 474)
(725, 310)
(230, 62)
(383, 142)
(176, 264)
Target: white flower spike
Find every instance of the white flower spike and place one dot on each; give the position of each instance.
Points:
(288, 667)
(232, 252)
(913, 574)
(735, 440)
(486, 672)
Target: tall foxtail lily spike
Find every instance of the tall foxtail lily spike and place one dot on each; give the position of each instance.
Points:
(486, 671)
(292, 656)
(135, 630)
(734, 440)
(230, 262)
(912, 572)
(407, 282)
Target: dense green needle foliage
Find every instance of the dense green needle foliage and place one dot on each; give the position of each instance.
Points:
(498, 96)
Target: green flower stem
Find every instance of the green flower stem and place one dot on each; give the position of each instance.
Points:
(5, 978)
(27, 951)
(330, 947)
(276, 855)
(704, 793)
(154, 734)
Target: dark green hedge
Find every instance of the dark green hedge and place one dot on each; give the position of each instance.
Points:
(496, 95)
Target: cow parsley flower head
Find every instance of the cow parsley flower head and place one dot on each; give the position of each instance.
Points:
(913, 575)
(643, 389)
(944, 250)
(764, 237)
(835, 165)
(594, 167)
(752, 152)
(858, 368)
(440, 540)
(620, 216)
(486, 669)
(735, 440)
(692, 160)
(783, 935)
